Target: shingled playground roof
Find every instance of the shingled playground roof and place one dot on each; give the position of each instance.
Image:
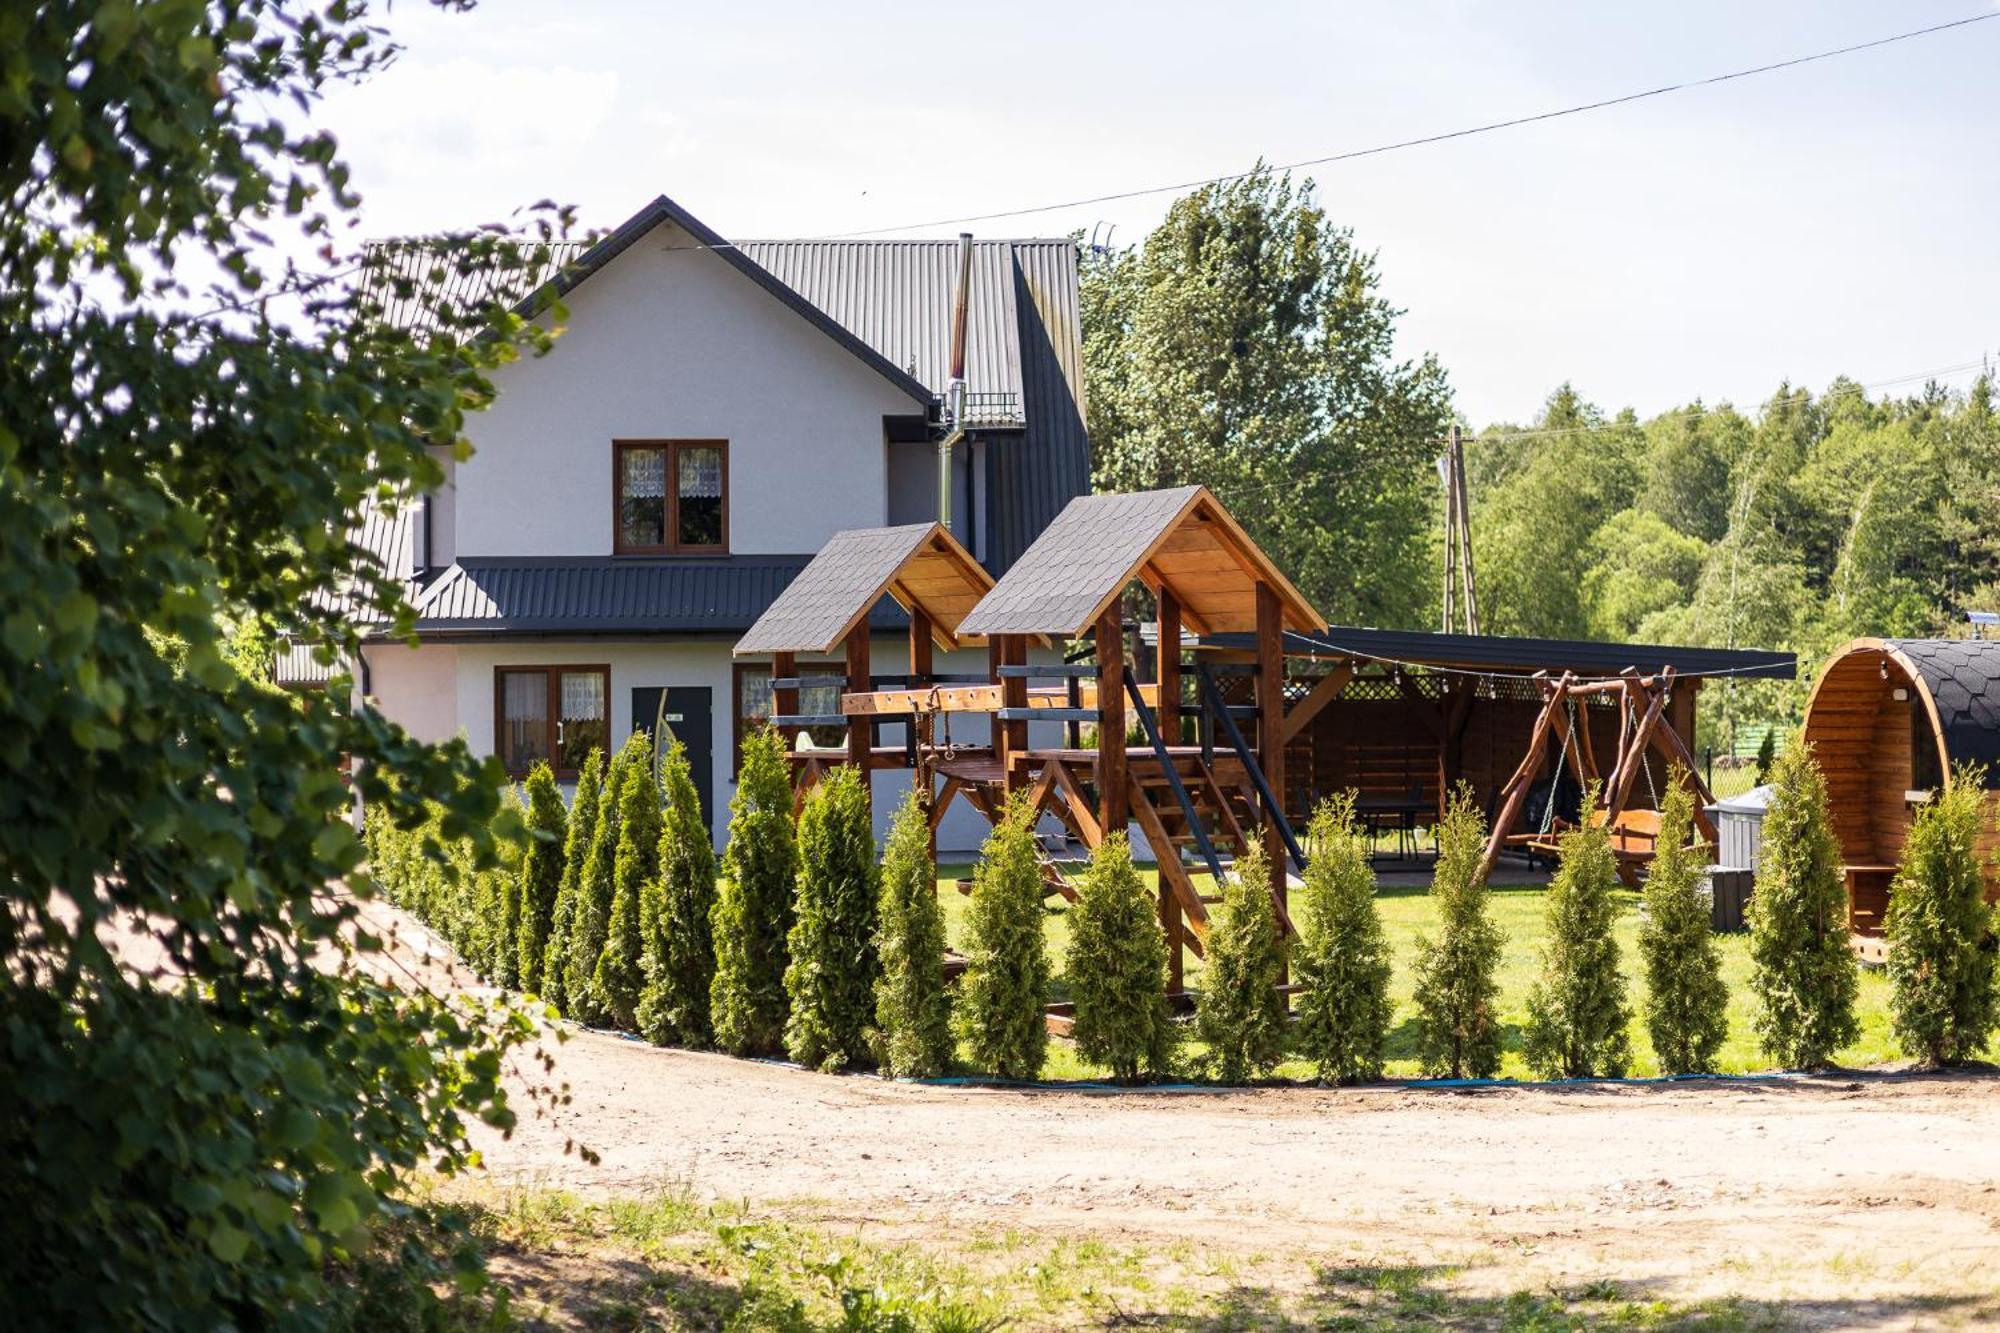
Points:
(1180, 539)
(920, 565)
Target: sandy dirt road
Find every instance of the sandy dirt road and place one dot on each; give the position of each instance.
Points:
(1841, 1188)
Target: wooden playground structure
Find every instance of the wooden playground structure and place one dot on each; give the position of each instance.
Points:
(1086, 742)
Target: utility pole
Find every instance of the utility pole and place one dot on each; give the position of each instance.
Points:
(1461, 594)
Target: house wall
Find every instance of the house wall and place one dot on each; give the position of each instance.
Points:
(671, 341)
(439, 691)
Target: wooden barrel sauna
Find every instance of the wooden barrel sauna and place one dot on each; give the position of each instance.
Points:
(1887, 720)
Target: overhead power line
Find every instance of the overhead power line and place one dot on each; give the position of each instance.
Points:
(1421, 141)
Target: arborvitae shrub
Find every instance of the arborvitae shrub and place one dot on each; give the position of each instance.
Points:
(1240, 1014)
(1803, 970)
(620, 975)
(1941, 1002)
(1001, 1012)
(1342, 955)
(1458, 1018)
(500, 933)
(912, 1013)
(541, 874)
(831, 977)
(1687, 1004)
(551, 981)
(1117, 968)
(591, 925)
(680, 949)
(1577, 1013)
(753, 904)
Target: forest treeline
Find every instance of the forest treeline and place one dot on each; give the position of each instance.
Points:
(1816, 519)
(1245, 344)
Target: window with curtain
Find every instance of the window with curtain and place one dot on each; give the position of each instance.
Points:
(672, 496)
(557, 713)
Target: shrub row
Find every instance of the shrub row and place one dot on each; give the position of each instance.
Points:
(613, 912)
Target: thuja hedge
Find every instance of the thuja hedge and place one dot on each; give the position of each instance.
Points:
(805, 942)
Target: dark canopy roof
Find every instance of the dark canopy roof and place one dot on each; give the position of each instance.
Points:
(1506, 653)
(1182, 539)
(1962, 676)
(920, 565)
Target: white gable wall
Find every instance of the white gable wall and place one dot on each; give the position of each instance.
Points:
(672, 342)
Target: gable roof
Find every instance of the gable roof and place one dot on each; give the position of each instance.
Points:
(1181, 539)
(920, 565)
(565, 266)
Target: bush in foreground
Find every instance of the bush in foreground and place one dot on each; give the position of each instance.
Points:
(620, 975)
(1240, 1014)
(541, 875)
(1576, 1011)
(680, 946)
(1001, 1014)
(912, 1010)
(595, 888)
(1803, 970)
(1458, 1018)
(1342, 955)
(1687, 1004)
(1941, 1000)
(1117, 968)
(830, 980)
(550, 980)
(753, 905)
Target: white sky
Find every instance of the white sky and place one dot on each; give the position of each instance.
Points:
(1838, 218)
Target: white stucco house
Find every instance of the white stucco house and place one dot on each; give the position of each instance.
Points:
(711, 414)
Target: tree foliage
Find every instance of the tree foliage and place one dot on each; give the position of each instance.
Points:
(1802, 969)
(1687, 1003)
(1117, 968)
(1342, 955)
(753, 905)
(1939, 930)
(1245, 346)
(596, 885)
(620, 972)
(1458, 1018)
(196, 1137)
(830, 980)
(553, 978)
(1240, 1014)
(1002, 998)
(542, 866)
(912, 1010)
(1577, 1012)
(680, 945)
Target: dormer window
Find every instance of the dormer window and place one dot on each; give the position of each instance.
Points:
(670, 497)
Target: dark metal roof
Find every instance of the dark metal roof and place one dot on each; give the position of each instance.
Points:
(1500, 652)
(1963, 678)
(850, 576)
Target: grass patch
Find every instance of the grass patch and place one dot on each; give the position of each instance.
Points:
(664, 1260)
(1407, 913)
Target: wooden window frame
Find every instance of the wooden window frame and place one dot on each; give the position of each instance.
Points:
(554, 672)
(737, 721)
(671, 520)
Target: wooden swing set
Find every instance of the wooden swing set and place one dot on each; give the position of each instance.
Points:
(1642, 702)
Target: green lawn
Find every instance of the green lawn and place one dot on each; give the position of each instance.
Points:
(1407, 913)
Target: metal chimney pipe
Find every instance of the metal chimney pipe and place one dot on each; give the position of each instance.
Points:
(955, 386)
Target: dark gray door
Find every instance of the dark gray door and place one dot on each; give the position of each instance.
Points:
(690, 720)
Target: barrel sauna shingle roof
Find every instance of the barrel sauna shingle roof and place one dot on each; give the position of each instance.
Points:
(918, 564)
(1963, 678)
(1099, 543)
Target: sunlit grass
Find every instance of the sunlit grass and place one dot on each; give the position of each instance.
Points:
(1407, 914)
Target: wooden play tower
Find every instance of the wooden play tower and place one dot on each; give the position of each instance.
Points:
(1194, 763)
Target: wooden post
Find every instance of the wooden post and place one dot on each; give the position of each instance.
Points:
(1169, 674)
(1271, 725)
(1014, 694)
(1114, 804)
(783, 667)
(859, 729)
(996, 656)
(921, 666)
